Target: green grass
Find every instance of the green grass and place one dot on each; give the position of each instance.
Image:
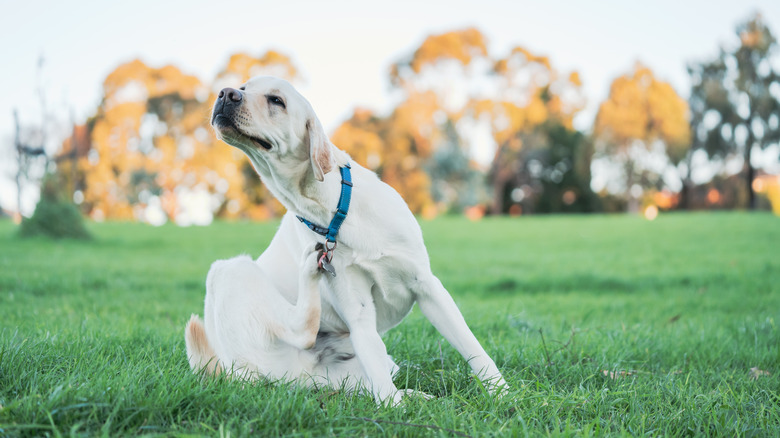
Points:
(602, 325)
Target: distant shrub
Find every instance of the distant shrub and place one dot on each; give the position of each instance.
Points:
(54, 217)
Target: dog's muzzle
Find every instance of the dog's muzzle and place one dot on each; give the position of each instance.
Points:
(228, 101)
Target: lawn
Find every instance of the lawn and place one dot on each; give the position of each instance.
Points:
(602, 325)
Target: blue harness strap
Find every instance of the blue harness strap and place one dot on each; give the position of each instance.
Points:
(341, 211)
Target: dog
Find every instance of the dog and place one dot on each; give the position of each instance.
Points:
(361, 282)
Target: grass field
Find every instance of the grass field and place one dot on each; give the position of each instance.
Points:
(602, 325)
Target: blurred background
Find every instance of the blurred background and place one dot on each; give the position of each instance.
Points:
(506, 107)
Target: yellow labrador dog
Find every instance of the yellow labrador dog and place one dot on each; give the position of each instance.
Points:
(349, 287)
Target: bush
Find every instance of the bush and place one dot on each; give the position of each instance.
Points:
(54, 217)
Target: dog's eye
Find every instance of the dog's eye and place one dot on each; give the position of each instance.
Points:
(243, 88)
(276, 100)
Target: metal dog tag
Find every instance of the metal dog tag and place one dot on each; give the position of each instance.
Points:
(327, 267)
(323, 261)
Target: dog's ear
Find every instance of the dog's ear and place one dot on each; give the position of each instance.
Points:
(320, 152)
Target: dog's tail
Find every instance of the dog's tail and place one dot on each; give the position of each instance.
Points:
(199, 351)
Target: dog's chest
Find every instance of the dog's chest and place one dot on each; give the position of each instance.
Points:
(393, 302)
(389, 293)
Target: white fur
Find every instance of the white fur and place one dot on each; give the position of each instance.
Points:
(381, 262)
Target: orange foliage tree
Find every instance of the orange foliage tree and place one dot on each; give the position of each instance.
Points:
(392, 148)
(535, 97)
(398, 145)
(641, 115)
(151, 150)
(452, 85)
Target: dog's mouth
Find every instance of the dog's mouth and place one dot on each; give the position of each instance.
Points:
(230, 131)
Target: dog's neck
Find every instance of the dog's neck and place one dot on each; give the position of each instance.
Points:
(299, 191)
(319, 199)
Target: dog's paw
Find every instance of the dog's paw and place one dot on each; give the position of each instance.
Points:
(401, 396)
(316, 260)
(415, 393)
(496, 386)
(309, 265)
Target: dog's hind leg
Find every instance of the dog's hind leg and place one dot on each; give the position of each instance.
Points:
(236, 315)
(438, 306)
(199, 351)
(252, 328)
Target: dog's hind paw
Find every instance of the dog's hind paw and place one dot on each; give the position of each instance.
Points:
(404, 394)
(496, 387)
(416, 393)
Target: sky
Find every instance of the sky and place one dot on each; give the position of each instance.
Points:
(344, 48)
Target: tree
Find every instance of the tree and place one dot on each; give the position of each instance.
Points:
(30, 143)
(141, 139)
(544, 170)
(451, 92)
(393, 149)
(54, 216)
(535, 98)
(242, 66)
(398, 146)
(641, 116)
(735, 99)
(456, 182)
(74, 148)
(25, 155)
(149, 150)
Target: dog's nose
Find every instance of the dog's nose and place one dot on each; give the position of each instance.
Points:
(231, 94)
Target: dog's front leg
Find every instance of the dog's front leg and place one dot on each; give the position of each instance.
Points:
(352, 299)
(438, 306)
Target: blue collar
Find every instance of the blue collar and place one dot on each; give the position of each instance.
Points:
(341, 211)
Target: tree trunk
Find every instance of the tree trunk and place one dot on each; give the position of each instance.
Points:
(499, 186)
(632, 203)
(687, 184)
(74, 160)
(19, 164)
(750, 174)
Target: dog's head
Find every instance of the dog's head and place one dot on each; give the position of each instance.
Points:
(273, 125)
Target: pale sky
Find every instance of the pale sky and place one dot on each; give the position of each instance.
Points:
(344, 48)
